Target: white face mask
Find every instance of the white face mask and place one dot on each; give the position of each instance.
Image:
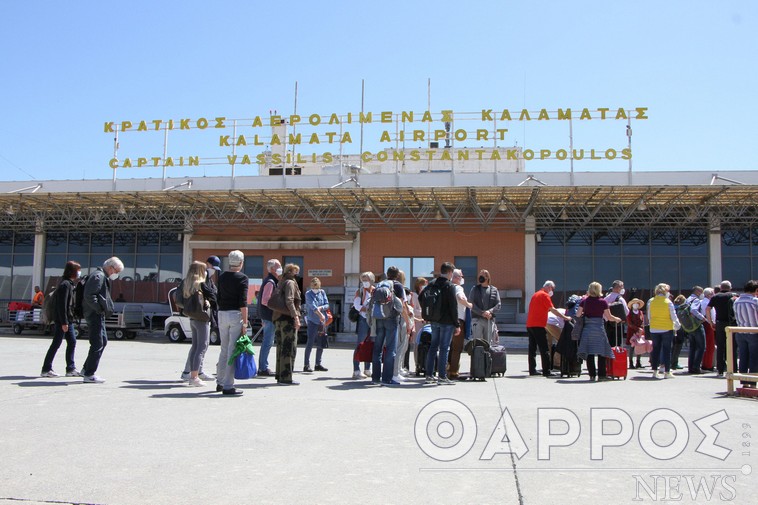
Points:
(550, 293)
(461, 284)
(210, 271)
(622, 291)
(279, 271)
(366, 284)
(113, 276)
(78, 274)
(636, 306)
(701, 297)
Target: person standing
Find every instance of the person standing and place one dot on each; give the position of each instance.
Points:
(540, 305)
(212, 268)
(697, 336)
(274, 268)
(710, 330)
(98, 305)
(594, 340)
(385, 340)
(63, 322)
(619, 308)
(286, 326)
(746, 313)
(444, 328)
(197, 280)
(721, 302)
(232, 319)
(316, 305)
(635, 325)
(485, 302)
(360, 303)
(456, 344)
(404, 329)
(663, 322)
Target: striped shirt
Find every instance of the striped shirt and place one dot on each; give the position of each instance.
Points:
(746, 310)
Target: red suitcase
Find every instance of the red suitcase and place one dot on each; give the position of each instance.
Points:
(618, 366)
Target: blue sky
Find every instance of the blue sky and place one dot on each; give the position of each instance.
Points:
(68, 67)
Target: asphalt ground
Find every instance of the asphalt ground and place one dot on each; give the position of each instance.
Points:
(146, 437)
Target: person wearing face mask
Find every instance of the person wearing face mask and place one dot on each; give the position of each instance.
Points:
(98, 305)
(540, 305)
(360, 302)
(663, 323)
(619, 308)
(710, 326)
(274, 268)
(485, 302)
(635, 323)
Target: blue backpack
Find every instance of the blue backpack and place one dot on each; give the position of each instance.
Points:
(384, 303)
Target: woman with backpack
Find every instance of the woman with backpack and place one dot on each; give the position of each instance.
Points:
(62, 308)
(360, 303)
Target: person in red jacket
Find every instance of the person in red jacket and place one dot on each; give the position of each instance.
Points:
(635, 322)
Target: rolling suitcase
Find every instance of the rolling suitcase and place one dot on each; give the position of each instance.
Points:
(499, 358)
(618, 366)
(422, 349)
(481, 364)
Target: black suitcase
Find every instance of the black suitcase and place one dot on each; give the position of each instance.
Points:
(571, 365)
(499, 360)
(481, 364)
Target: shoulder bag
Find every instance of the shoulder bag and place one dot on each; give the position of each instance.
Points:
(576, 332)
(195, 307)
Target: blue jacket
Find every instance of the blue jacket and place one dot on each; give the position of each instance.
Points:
(315, 300)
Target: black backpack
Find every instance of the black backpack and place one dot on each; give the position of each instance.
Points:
(431, 302)
(48, 307)
(79, 297)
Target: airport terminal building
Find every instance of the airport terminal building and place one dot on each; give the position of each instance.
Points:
(478, 209)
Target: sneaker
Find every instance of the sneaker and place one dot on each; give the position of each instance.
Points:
(73, 373)
(396, 378)
(430, 380)
(358, 375)
(49, 373)
(366, 374)
(404, 372)
(266, 373)
(287, 383)
(658, 374)
(307, 368)
(444, 381)
(320, 368)
(94, 379)
(196, 382)
(231, 392)
(669, 375)
(185, 376)
(205, 377)
(391, 383)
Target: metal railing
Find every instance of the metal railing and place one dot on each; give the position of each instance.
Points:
(731, 376)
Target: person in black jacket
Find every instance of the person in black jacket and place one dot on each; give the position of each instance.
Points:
(63, 322)
(443, 330)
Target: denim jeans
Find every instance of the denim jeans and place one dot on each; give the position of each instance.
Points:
(362, 330)
(697, 349)
(313, 339)
(98, 339)
(229, 330)
(661, 349)
(386, 336)
(442, 336)
(748, 349)
(58, 337)
(200, 340)
(268, 341)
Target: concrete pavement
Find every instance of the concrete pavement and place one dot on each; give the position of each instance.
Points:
(145, 437)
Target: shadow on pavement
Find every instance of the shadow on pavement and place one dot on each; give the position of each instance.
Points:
(146, 384)
(45, 383)
(18, 377)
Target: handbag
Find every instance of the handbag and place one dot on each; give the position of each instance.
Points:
(244, 366)
(194, 307)
(328, 319)
(365, 351)
(353, 314)
(277, 302)
(576, 332)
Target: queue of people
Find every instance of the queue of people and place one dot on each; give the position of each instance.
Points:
(391, 317)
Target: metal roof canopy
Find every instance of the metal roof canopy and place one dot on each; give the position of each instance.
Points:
(427, 201)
